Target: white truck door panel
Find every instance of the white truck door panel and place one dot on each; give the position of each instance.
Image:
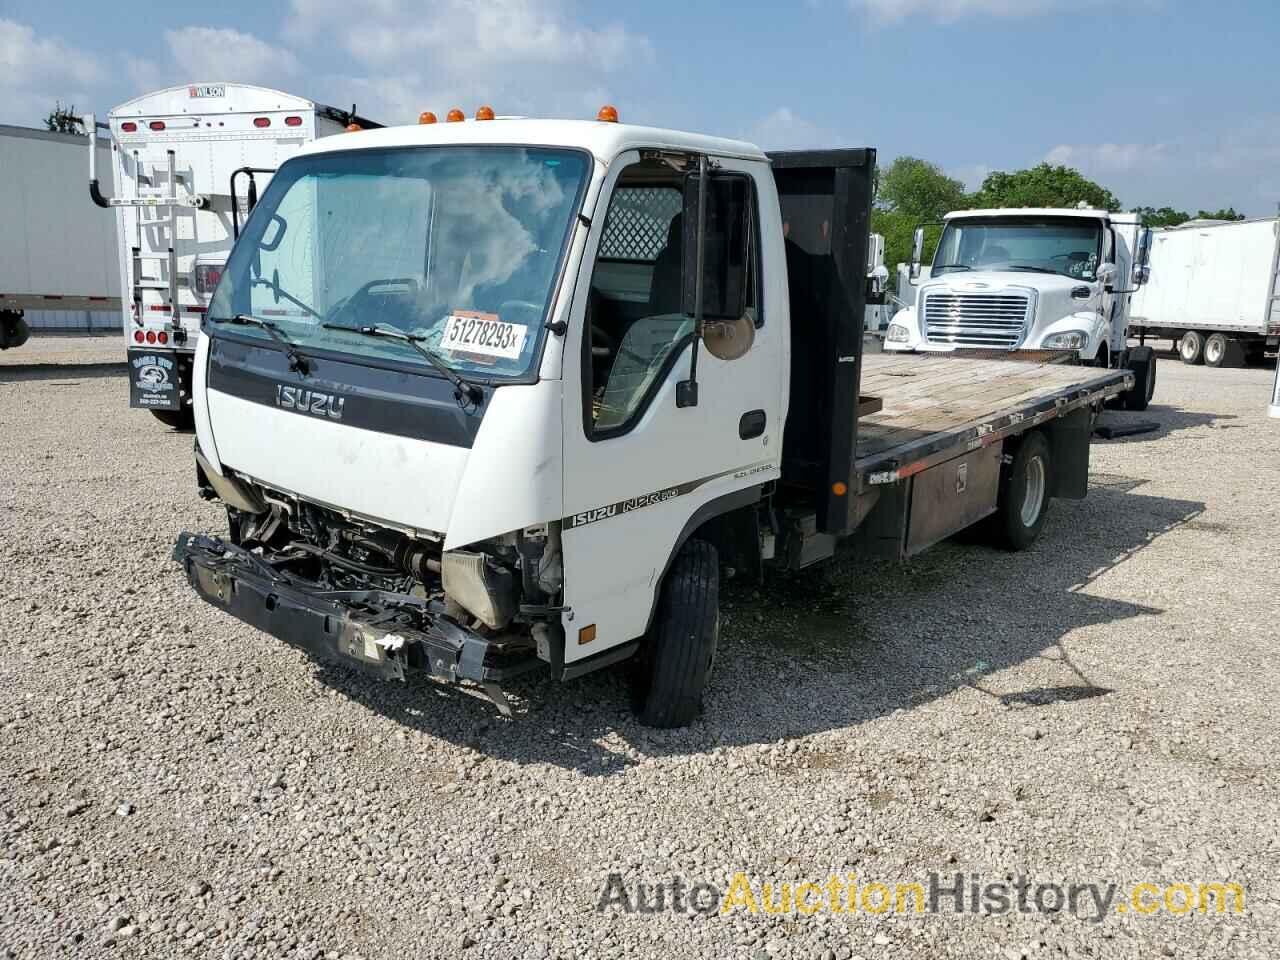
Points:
(628, 498)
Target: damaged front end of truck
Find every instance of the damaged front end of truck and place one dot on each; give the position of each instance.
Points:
(382, 600)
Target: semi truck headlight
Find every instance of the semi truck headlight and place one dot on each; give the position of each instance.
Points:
(897, 333)
(481, 586)
(1070, 340)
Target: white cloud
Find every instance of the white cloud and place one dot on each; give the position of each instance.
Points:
(211, 53)
(523, 56)
(783, 129)
(888, 11)
(36, 71)
(1101, 158)
(971, 175)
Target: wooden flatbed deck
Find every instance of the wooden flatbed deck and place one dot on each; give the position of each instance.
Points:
(943, 404)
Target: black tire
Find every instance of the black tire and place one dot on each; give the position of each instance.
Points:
(1215, 350)
(679, 652)
(1191, 348)
(1139, 398)
(1015, 529)
(184, 419)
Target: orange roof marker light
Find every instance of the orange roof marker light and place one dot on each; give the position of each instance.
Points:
(426, 116)
(485, 113)
(455, 116)
(608, 113)
(354, 128)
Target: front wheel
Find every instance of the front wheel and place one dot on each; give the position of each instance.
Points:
(1024, 494)
(679, 653)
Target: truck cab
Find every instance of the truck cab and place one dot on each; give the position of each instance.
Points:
(1026, 279)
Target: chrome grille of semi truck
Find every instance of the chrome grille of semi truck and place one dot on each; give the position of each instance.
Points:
(976, 319)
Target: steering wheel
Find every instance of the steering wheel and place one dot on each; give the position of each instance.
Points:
(365, 293)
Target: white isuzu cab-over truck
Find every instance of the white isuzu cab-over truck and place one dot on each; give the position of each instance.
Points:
(489, 396)
(1031, 279)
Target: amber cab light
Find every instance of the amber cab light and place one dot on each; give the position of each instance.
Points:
(608, 113)
(455, 116)
(426, 116)
(485, 113)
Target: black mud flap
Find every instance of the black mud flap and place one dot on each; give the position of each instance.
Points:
(159, 379)
(382, 633)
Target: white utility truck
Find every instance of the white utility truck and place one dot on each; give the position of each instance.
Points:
(1032, 279)
(1214, 291)
(57, 250)
(490, 396)
(188, 163)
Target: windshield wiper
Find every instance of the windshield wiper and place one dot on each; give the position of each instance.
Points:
(1031, 269)
(462, 389)
(297, 362)
(952, 266)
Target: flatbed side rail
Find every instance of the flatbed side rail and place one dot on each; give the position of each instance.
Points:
(925, 452)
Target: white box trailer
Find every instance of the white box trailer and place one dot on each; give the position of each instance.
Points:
(188, 164)
(57, 250)
(1214, 289)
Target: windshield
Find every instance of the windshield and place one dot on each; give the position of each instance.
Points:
(1070, 246)
(460, 246)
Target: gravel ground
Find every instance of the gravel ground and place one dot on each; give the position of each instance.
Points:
(1100, 708)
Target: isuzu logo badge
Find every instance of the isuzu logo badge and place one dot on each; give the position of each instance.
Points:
(310, 401)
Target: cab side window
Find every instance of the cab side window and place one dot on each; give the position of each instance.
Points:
(638, 318)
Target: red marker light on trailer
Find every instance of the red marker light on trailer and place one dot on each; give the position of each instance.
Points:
(151, 336)
(129, 127)
(156, 124)
(262, 121)
(293, 121)
(162, 337)
(138, 337)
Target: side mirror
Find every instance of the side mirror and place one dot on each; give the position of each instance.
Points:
(1142, 258)
(917, 251)
(726, 247)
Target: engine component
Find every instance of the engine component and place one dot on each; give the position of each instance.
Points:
(484, 589)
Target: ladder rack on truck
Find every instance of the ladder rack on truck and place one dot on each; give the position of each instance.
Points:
(176, 157)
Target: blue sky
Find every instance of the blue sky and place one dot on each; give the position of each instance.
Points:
(1163, 101)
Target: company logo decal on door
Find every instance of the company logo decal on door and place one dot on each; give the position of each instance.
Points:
(659, 496)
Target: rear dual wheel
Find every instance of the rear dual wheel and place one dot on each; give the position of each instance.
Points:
(1191, 348)
(1025, 483)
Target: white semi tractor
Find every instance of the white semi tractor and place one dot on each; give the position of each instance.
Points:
(188, 162)
(501, 395)
(57, 250)
(1059, 279)
(1214, 291)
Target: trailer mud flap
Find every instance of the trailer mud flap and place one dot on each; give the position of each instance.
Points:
(156, 380)
(376, 632)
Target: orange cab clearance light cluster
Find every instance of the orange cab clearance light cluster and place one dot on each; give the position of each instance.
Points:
(608, 113)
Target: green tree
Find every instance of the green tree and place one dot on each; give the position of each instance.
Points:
(1045, 185)
(64, 120)
(918, 189)
(1227, 214)
(1162, 216)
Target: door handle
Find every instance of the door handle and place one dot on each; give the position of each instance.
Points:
(751, 425)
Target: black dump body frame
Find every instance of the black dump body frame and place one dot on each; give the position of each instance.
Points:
(825, 196)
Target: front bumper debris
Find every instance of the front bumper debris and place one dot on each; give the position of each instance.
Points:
(383, 633)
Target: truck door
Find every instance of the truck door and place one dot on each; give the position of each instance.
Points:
(638, 468)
